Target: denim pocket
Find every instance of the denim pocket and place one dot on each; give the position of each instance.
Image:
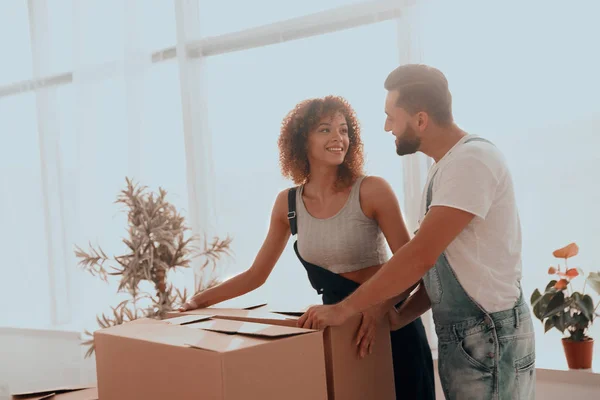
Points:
(525, 378)
(461, 375)
(479, 349)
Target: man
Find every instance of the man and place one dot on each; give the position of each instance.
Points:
(466, 254)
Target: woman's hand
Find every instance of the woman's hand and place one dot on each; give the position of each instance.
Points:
(191, 304)
(365, 338)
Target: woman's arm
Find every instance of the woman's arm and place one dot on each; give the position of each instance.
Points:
(273, 246)
(380, 203)
(411, 309)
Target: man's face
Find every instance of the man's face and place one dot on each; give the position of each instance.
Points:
(401, 124)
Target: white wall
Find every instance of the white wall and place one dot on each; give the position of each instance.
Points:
(39, 359)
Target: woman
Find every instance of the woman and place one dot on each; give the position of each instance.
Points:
(343, 220)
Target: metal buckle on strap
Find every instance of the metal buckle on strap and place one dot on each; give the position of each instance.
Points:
(291, 215)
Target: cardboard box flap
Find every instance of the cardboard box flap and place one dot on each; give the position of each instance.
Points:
(296, 314)
(159, 332)
(261, 318)
(85, 392)
(248, 301)
(187, 319)
(240, 305)
(250, 328)
(144, 321)
(229, 335)
(38, 396)
(254, 307)
(289, 308)
(216, 312)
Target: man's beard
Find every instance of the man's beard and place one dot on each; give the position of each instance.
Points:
(408, 142)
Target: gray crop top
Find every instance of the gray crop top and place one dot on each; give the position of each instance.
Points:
(346, 242)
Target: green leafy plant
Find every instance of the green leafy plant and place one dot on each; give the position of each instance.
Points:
(562, 308)
(157, 244)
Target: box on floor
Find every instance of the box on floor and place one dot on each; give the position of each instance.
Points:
(196, 357)
(64, 393)
(348, 376)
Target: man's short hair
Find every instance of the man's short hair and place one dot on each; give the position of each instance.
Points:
(422, 88)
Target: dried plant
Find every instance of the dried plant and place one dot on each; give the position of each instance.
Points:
(157, 244)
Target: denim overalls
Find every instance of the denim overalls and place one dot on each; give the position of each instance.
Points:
(411, 354)
(480, 355)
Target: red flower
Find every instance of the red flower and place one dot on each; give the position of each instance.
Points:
(561, 285)
(568, 251)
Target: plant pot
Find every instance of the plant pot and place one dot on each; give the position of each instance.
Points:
(579, 354)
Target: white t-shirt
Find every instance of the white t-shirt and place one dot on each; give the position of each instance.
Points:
(486, 255)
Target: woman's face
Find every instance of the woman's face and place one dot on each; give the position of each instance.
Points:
(328, 142)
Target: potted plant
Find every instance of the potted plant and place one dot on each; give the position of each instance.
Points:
(568, 310)
(157, 244)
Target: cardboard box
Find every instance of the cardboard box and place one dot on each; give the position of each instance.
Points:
(62, 393)
(348, 376)
(196, 357)
(260, 314)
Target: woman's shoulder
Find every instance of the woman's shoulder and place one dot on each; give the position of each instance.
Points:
(280, 207)
(371, 185)
(375, 193)
(283, 196)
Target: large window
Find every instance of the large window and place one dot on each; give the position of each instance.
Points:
(118, 114)
(121, 117)
(23, 237)
(14, 41)
(226, 16)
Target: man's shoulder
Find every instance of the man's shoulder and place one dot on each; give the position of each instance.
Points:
(479, 152)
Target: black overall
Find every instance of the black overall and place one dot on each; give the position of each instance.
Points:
(413, 364)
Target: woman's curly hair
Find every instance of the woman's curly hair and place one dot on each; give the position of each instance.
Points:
(293, 139)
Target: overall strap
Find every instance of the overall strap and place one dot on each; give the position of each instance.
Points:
(478, 139)
(292, 210)
(429, 193)
(430, 187)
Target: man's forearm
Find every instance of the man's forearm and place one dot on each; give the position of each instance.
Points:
(399, 274)
(390, 304)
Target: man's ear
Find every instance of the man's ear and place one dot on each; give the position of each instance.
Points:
(422, 120)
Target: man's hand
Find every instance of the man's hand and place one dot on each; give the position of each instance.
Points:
(365, 338)
(320, 317)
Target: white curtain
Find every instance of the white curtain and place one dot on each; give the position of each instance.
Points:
(414, 166)
(198, 143)
(75, 144)
(132, 121)
(51, 168)
(23, 239)
(109, 72)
